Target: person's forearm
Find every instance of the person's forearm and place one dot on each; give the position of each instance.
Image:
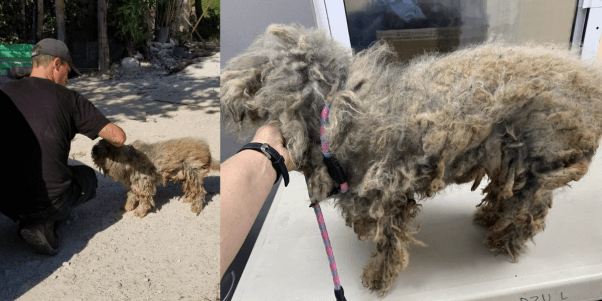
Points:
(114, 134)
(247, 179)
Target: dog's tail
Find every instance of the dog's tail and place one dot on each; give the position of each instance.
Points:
(215, 164)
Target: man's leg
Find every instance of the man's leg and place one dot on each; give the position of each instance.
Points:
(40, 230)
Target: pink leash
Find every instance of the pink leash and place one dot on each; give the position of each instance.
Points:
(338, 289)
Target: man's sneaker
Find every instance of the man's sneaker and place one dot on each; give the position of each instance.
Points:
(40, 237)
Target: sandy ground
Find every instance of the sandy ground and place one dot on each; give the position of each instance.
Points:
(171, 254)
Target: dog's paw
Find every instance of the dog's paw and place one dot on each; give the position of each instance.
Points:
(140, 212)
(507, 241)
(196, 208)
(129, 206)
(372, 275)
(486, 218)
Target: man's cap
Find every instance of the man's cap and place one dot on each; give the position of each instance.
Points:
(55, 48)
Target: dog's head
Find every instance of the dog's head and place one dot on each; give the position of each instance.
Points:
(285, 75)
(104, 155)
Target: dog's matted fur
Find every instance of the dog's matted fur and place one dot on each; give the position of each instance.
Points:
(527, 117)
(140, 166)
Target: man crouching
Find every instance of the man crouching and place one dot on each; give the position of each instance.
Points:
(45, 116)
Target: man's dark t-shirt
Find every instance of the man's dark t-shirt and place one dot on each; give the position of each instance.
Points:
(55, 114)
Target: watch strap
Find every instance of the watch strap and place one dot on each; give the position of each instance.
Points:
(272, 155)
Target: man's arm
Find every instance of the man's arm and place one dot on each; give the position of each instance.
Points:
(113, 133)
(247, 179)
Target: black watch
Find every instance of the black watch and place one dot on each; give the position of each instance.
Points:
(272, 155)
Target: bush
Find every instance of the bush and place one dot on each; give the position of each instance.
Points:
(209, 26)
(129, 21)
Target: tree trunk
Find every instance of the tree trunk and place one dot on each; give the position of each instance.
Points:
(198, 9)
(40, 25)
(149, 21)
(175, 23)
(60, 20)
(23, 23)
(185, 16)
(104, 59)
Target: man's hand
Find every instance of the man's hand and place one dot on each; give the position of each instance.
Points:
(113, 133)
(270, 134)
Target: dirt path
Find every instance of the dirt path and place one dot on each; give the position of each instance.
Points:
(171, 254)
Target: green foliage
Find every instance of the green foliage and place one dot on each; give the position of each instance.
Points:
(209, 25)
(50, 22)
(12, 27)
(166, 12)
(214, 4)
(129, 20)
(10, 20)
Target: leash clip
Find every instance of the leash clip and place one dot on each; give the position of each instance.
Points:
(336, 173)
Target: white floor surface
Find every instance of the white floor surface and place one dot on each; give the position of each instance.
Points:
(289, 261)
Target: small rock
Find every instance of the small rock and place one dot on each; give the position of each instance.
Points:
(139, 56)
(169, 45)
(129, 63)
(146, 279)
(66, 264)
(150, 119)
(162, 45)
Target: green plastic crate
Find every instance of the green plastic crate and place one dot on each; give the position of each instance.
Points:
(14, 55)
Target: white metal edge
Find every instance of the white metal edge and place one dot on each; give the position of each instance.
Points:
(578, 30)
(592, 3)
(321, 15)
(593, 31)
(337, 19)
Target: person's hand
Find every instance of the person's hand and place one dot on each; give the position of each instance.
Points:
(270, 134)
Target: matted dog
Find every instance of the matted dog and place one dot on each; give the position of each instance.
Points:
(527, 117)
(140, 166)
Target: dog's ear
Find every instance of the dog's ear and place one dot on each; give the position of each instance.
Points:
(246, 74)
(238, 87)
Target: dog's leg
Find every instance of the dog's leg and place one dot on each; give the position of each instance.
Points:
(197, 192)
(190, 189)
(390, 258)
(145, 190)
(131, 201)
(393, 237)
(513, 220)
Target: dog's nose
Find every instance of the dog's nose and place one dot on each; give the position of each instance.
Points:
(95, 150)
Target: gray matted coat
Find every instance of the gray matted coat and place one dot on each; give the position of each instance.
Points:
(527, 117)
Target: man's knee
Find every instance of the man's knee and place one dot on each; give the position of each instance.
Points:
(86, 179)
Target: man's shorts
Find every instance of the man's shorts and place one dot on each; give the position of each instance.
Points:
(82, 189)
